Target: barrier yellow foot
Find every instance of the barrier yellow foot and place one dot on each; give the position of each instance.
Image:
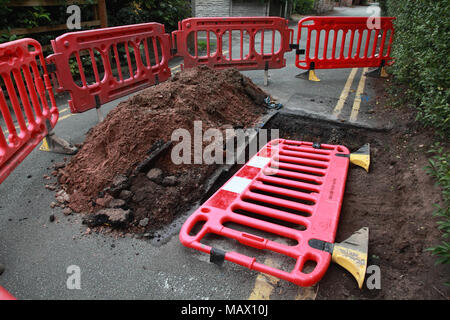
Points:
(350, 254)
(379, 72)
(308, 75)
(312, 76)
(53, 143)
(383, 73)
(361, 157)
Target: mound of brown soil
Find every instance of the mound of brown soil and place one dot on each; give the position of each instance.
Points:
(109, 171)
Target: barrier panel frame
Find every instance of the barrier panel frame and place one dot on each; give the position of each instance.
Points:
(32, 101)
(108, 88)
(219, 26)
(320, 225)
(5, 295)
(345, 24)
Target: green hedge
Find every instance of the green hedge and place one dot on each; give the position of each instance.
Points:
(422, 56)
(303, 6)
(168, 12)
(120, 12)
(421, 78)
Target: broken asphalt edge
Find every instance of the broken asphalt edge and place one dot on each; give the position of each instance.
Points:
(300, 114)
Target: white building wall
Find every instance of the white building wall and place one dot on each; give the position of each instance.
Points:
(248, 8)
(212, 8)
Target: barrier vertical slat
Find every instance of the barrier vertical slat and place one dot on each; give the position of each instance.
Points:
(15, 104)
(117, 59)
(273, 42)
(80, 67)
(316, 49)
(130, 68)
(262, 41)
(155, 50)
(32, 90)
(358, 49)
(94, 65)
(350, 49)
(24, 97)
(147, 54)
(366, 48)
(375, 44)
(242, 44)
(325, 49)
(230, 44)
(308, 46)
(40, 89)
(6, 115)
(208, 48)
(3, 143)
(196, 44)
(383, 39)
(335, 35)
(343, 40)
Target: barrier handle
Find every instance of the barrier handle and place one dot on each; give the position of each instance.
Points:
(291, 36)
(53, 73)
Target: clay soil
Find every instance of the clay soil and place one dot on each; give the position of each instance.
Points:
(111, 168)
(395, 200)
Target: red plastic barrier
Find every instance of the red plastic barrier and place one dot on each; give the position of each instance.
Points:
(262, 42)
(121, 60)
(26, 99)
(344, 42)
(5, 295)
(291, 189)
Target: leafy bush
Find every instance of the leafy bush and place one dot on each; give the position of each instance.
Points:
(30, 17)
(167, 12)
(422, 57)
(439, 168)
(303, 6)
(120, 12)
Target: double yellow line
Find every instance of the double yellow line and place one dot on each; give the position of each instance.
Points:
(345, 92)
(265, 285)
(5, 132)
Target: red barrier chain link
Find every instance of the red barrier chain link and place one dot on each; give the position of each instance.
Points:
(26, 99)
(291, 189)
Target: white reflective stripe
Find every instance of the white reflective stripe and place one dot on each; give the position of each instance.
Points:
(237, 184)
(258, 162)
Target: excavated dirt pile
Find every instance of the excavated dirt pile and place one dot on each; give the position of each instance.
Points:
(123, 174)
